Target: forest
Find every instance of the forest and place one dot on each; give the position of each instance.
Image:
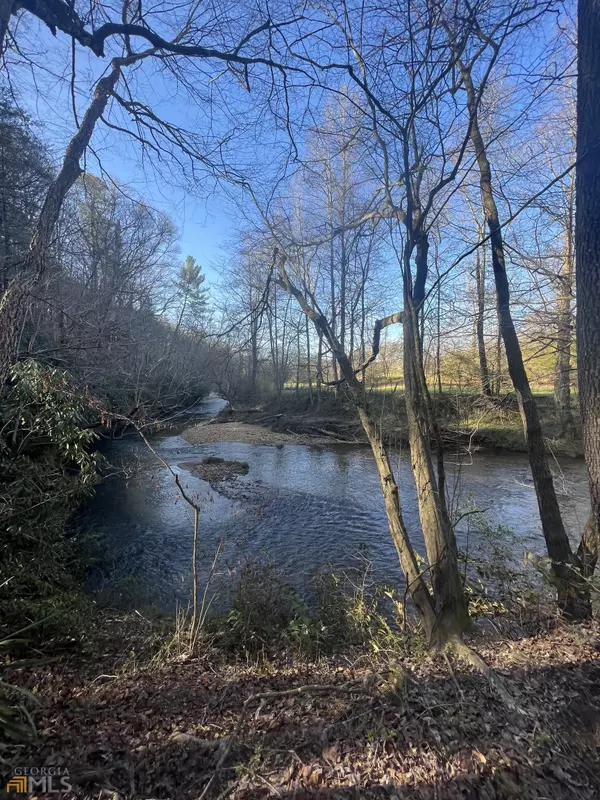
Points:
(300, 399)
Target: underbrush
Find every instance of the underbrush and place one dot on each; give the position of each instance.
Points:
(47, 468)
(465, 418)
(350, 619)
(348, 611)
(349, 616)
(509, 587)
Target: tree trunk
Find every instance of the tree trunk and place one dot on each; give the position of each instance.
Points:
(332, 269)
(363, 321)
(298, 361)
(564, 327)
(14, 302)
(573, 600)
(319, 369)
(499, 356)
(484, 373)
(562, 368)
(438, 344)
(253, 354)
(587, 262)
(440, 543)
(308, 364)
(414, 577)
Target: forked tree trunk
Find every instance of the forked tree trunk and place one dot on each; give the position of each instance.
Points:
(572, 597)
(438, 533)
(408, 562)
(587, 262)
(389, 487)
(450, 602)
(14, 302)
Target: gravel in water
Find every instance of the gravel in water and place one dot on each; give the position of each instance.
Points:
(216, 470)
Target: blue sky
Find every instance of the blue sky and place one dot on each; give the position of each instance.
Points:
(206, 218)
(203, 216)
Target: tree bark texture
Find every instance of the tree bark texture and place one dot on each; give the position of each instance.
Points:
(484, 373)
(14, 302)
(587, 268)
(570, 596)
(440, 542)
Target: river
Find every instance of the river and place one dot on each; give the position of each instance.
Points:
(302, 507)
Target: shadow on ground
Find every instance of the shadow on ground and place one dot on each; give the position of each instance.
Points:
(413, 730)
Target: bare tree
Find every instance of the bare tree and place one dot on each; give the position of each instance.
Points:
(573, 599)
(133, 26)
(439, 635)
(587, 243)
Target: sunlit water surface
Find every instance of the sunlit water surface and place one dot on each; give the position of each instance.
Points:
(300, 507)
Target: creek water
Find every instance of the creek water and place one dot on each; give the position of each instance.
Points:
(301, 507)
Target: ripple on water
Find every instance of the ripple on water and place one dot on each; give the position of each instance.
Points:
(301, 507)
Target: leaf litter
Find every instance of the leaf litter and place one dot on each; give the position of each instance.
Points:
(337, 727)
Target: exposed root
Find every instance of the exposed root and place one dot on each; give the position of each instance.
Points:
(470, 655)
(459, 691)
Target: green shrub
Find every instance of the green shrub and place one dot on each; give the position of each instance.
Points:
(47, 468)
(350, 611)
(353, 610)
(498, 581)
(264, 607)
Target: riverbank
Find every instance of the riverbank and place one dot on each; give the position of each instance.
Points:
(286, 699)
(248, 432)
(467, 422)
(131, 719)
(299, 506)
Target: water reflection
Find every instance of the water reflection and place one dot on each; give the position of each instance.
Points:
(302, 507)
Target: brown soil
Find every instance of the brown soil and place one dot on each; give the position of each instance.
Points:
(472, 422)
(348, 728)
(246, 433)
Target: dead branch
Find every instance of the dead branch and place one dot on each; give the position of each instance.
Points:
(264, 697)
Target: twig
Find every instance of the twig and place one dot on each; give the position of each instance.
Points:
(266, 696)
